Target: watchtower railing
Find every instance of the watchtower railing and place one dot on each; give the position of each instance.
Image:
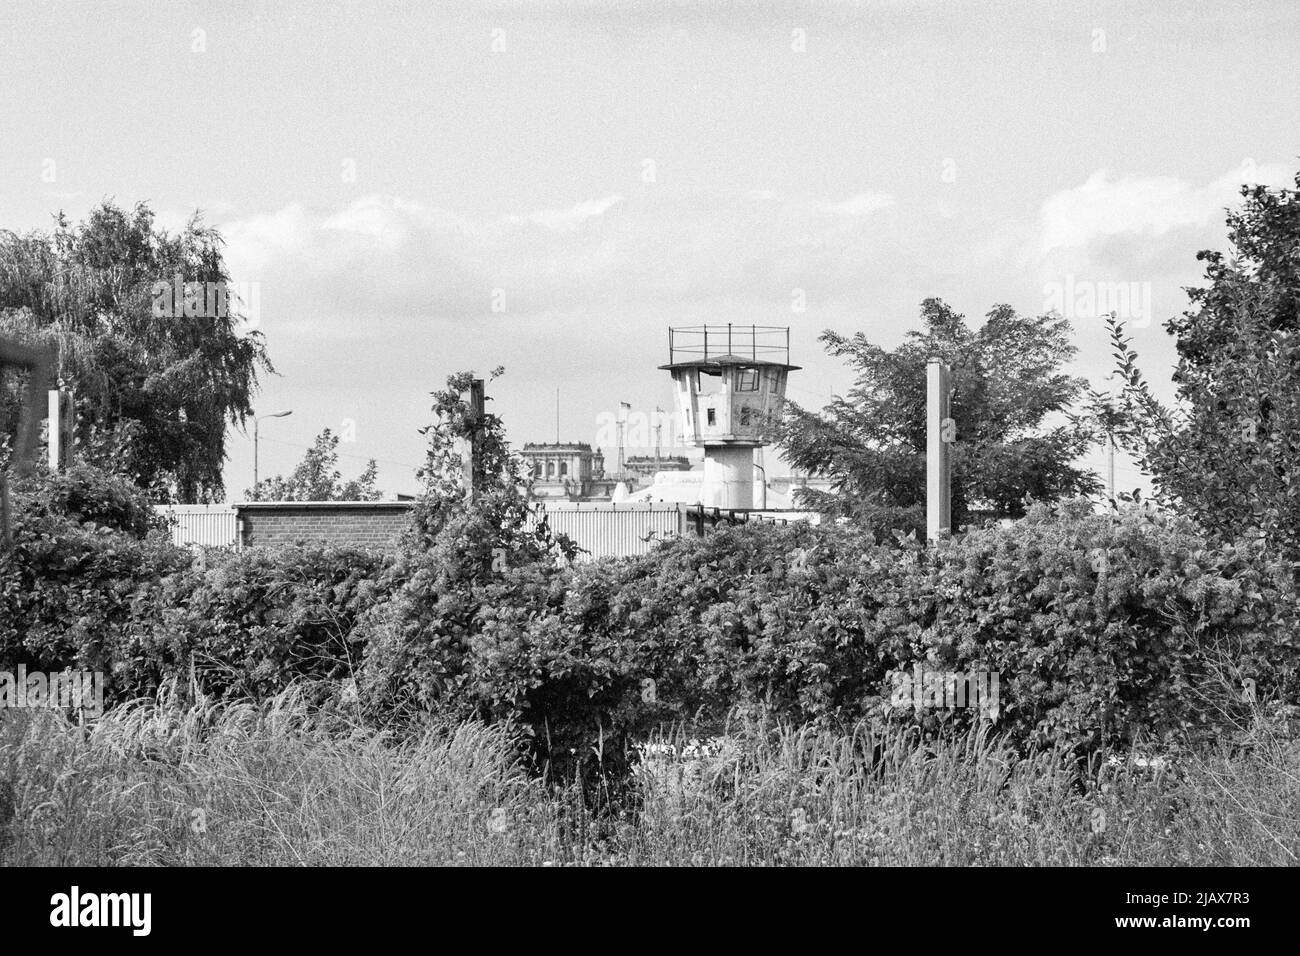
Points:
(770, 343)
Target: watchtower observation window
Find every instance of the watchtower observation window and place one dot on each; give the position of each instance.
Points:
(710, 381)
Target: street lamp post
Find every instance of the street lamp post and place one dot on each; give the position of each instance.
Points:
(256, 420)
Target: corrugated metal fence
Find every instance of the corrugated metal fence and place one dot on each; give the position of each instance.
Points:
(209, 525)
(613, 530)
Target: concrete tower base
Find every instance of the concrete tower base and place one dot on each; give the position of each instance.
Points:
(728, 476)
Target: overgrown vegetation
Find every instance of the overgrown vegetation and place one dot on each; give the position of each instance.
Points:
(1101, 629)
(287, 783)
(87, 558)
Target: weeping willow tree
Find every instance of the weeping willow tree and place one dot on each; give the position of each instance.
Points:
(157, 377)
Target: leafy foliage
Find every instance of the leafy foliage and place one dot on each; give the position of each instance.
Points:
(1227, 454)
(154, 393)
(1007, 382)
(1101, 628)
(1105, 628)
(93, 582)
(87, 560)
(247, 624)
(817, 624)
(417, 642)
(317, 478)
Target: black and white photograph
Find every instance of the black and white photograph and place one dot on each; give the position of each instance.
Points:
(627, 434)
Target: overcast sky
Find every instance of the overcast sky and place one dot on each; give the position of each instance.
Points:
(418, 188)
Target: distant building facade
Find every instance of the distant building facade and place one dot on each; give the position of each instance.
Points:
(568, 471)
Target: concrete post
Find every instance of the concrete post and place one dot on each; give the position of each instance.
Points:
(938, 436)
(55, 430)
(468, 448)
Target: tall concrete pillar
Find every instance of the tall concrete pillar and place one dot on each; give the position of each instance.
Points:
(938, 436)
(728, 476)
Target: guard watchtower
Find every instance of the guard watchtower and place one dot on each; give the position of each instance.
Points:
(730, 384)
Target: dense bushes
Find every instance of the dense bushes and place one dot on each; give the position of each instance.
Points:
(247, 624)
(93, 582)
(87, 556)
(1102, 628)
(87, 495)
(606, 651)
(419, 639)
(1099, 628)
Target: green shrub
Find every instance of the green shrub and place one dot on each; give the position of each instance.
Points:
(246, 624)
(86, 564)
(1103, 628)
(591, 657)
(88, 495)
(417, 642)
(1100, 629)
(93, 582)
(774, 619)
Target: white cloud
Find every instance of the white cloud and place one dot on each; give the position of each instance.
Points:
(387, 256)
(864, 204)
(253, 243)
(1150, 206)
(566, 220)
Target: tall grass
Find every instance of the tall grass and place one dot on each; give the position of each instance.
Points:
(159, 782)
(153, 783)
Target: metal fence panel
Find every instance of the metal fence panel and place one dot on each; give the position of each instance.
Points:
(209, 525)
(613, 530)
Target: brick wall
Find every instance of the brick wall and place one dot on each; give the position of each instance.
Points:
(359, 524)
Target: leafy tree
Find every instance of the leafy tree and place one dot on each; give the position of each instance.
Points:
(317, 478)
(1227, 452)
(501, 481)
(155, 386)
(418, 643)
(1007, 381)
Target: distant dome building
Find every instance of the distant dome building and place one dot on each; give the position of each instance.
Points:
(567, 471)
